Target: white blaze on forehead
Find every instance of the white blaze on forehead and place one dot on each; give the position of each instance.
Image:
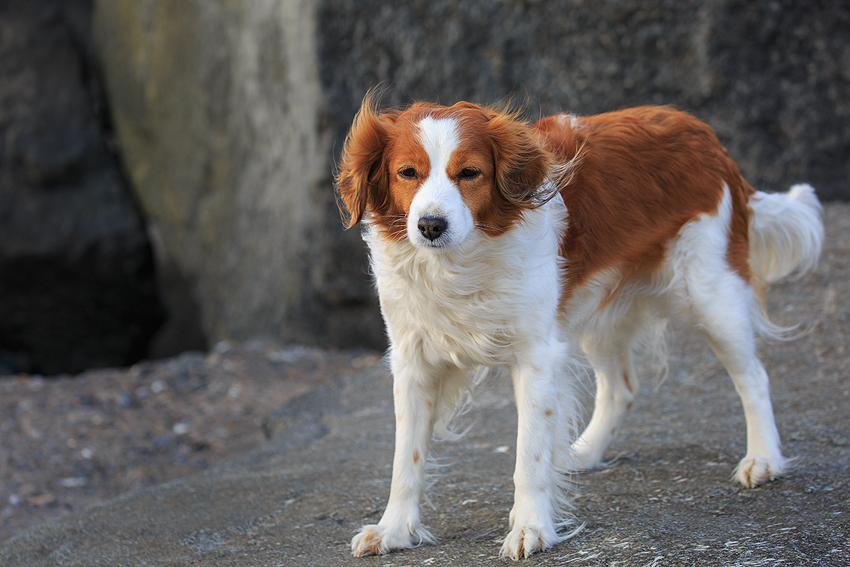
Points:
(438, 196)
(439, 137)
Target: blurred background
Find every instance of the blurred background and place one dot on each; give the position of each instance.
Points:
(166, 166)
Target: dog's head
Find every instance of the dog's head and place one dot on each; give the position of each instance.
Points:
(433, 174)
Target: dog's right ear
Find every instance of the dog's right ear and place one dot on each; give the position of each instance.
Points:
(362, 182)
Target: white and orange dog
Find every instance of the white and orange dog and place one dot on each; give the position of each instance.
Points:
(500, 243)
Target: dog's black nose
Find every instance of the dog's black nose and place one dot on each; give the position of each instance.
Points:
(432, 227)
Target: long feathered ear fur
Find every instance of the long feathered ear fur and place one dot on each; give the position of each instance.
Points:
(522, 163)
(362, 182)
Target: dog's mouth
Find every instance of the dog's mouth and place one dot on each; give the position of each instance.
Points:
(441, 244)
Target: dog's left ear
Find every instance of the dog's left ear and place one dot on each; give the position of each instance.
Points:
(362, 182)
(521, 162)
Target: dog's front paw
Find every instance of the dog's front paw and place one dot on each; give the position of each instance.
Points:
(369, 541)
(756, 470)
(376, 539)
(522, 541)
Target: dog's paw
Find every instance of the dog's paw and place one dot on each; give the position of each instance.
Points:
(523, 541)
(376, 539)
(584, 458)
(584, 462)
(586, 455)
(369, 542)
(756, 470)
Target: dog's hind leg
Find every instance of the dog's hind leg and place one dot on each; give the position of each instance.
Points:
(616, 388)
(724, 314)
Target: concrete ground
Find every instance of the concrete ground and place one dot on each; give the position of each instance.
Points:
(668, 500)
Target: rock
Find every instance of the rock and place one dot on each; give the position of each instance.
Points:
(219, 115)
(773, 78)
(230, 114)
(77, 285)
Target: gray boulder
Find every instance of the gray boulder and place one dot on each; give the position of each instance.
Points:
(220, 118)
(230, 114)
(77, 285)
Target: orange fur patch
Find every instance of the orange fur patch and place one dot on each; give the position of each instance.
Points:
(643, 173)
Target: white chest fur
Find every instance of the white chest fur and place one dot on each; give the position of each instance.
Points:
(482, 302)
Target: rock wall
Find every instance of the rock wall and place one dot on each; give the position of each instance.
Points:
(772, 77)
(230, 114)
(77, 283)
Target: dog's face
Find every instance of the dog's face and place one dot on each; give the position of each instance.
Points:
(433, 174)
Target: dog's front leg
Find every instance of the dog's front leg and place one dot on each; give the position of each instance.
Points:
(532, 517)
(415, 391)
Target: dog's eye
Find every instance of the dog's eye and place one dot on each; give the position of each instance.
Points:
(408, 173)
(468, 173)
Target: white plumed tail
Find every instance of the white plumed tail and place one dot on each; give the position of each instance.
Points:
(786, 232)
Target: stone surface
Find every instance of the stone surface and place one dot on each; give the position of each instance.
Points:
(219, 114)
(70, 441)
(772, 77)
(230, 114)
(76, 273)
(668, 500)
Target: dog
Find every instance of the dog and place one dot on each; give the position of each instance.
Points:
(501, 243)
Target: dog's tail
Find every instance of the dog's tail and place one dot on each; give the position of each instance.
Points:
(786, 232)
(786, 237)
